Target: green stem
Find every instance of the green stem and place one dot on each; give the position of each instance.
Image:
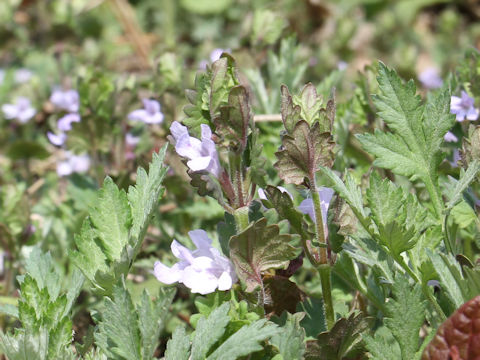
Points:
(324, 267)
(325, 277)
(428, 293)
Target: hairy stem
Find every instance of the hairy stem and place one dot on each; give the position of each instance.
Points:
(325, 277)
(324, 268)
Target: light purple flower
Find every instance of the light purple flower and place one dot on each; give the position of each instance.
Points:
(57, 139)
(2, 76)
(456, 158)
(132, 140)
(73, 164)
(67, 100)
(65, 122)
(306, 206)
(203, 270)
(216, 53)
(342, 65)
(430, 78)
(450, 137)
(463, 107)
(21, 110)
(202, 154)
(22, 76)
(150, 114)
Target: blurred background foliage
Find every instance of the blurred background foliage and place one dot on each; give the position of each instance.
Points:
(116, 52)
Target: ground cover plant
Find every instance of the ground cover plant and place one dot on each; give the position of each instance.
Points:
(239, 180)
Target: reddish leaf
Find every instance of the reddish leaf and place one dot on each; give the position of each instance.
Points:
(458, 338)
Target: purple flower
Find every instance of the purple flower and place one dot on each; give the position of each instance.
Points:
(73, 163)
(306, 206)
(430, 78)
(202, 153)
(150, 114)
(66, 100)
(202, 270)
(57, 139)
(132, 140)
(450, 137)
(216, 53)
(65, 122)
(456, 158)
(463, 107)
(21, 110)
(22, 76)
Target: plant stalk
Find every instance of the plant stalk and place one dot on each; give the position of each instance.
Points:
(324, 267)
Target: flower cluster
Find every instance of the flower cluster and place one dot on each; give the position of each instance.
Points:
(202, 270)
(69, 101)
(202, 154)
(150, 114)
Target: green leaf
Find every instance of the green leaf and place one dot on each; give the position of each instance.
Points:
(233, 123)
(178, 347)
(414, 147)
(289, 341)
(310, 103)
(25, 345)
(151, 319)
(286, 210)
(209, 330)
(383, 345)
(259, 248)
(350, 192)
(118, 334)
(314, 321)
(449, 274)
(111, 219)
(342, 341)
(305, 149)
(41, 268)
(405, 315)
(245, 341)
(144, 197)
(290, 111)
(466, 177)
(267, 27)
(24, 149)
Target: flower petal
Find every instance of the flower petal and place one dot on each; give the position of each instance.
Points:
(165, 274)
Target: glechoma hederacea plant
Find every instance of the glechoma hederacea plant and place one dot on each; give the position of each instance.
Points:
(337, 265)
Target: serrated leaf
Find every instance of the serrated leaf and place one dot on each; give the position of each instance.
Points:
(25, 345)
(383, 345)
(289, 341)
(111, 219)
(457, 337)
(466, 177)
(286, 210)
(314, 321)
(281, 295)
(405, 314)
(144, 197)
(290, 111)
(118, 334)
(151, 317)
(178, 347)
(245, 341)
(233, 123)
(414, 147)
(342, 341)
(41, 268)
(304, 151)
(258, 248)
(209, 330)
(310, 103)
